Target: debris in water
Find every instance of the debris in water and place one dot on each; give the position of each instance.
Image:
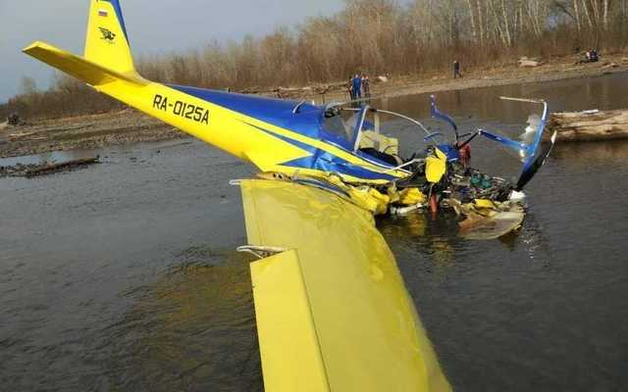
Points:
(46, 168)
(590, 125)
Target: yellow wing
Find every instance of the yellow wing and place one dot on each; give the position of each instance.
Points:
(332, 310)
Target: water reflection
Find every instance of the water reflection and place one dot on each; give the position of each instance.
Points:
(532, 238)
(435, 238)
(542, 309)
(614, 152)
(192, 330)
(604, 93)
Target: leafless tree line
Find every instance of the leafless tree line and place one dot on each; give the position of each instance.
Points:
(371, 36)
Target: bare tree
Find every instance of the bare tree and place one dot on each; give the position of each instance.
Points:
(28, 86)
(374, 36)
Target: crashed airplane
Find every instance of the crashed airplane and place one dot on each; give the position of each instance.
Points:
(332, 310)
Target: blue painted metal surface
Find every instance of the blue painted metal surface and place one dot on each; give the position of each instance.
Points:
(325, 161)
(116, 6)
(308, 121)
(517, 146)
(277, 112)
(452, 153)
(435, 113)
(537, 141)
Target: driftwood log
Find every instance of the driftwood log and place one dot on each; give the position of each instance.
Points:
(56, 167)
(589, 126)
(525, 62)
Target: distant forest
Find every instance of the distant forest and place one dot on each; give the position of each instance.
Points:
(371, 36)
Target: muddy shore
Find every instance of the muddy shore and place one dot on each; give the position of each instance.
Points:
(84, 132)
(129, 126)
(558, 69)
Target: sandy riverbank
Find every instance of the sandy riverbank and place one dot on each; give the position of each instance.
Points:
(84, 132)
(559, 68)
(129, 126)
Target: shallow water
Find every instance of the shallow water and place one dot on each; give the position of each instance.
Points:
(123, 276)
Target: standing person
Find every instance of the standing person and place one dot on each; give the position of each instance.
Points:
(357, 87)
(457, 69)
(366, 86)
(350, 89)
(593, 57)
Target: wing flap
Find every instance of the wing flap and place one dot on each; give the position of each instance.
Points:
(291, 356)
(368, 334)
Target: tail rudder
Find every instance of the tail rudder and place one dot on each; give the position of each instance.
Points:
(107, 52)
(107, 41)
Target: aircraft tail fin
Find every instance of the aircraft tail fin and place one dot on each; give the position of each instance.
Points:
(107, 41)
(107, 51)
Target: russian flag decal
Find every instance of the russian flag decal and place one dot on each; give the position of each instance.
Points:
(103, 13)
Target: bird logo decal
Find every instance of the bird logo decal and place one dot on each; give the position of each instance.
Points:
(107, 35)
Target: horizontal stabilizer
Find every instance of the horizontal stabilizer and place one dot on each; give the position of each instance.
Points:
(78, 67)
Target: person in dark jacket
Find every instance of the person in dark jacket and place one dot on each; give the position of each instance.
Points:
(350, 89)
(366, 86)
(457, 69)
(593, 57)
(357, 87)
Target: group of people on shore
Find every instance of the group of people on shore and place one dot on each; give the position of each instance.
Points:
(591, 56)
(359, 86)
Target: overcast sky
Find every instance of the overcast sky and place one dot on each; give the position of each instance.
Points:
(164, 26)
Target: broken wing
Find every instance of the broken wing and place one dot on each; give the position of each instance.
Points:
(332, 310)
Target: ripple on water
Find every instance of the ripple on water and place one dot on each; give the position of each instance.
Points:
(96, 294)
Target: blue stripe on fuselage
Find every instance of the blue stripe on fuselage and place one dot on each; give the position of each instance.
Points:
(277, 112)
(327, 162)
(116, 6)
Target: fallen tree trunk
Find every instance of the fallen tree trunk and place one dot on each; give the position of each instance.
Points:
(589, 125)
(55, 167)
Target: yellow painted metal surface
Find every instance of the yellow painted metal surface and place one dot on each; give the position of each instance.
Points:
(226, 129)
(351, 299)
(108, 67)
(411, 196)
(380, 142)
(435, 167)
(285, 321)
(484, 203)
(78, 67)
(106, 42)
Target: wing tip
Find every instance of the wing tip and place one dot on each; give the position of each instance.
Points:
(33, 46)
(39, 46)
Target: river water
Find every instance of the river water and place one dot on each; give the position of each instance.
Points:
(123, 276)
